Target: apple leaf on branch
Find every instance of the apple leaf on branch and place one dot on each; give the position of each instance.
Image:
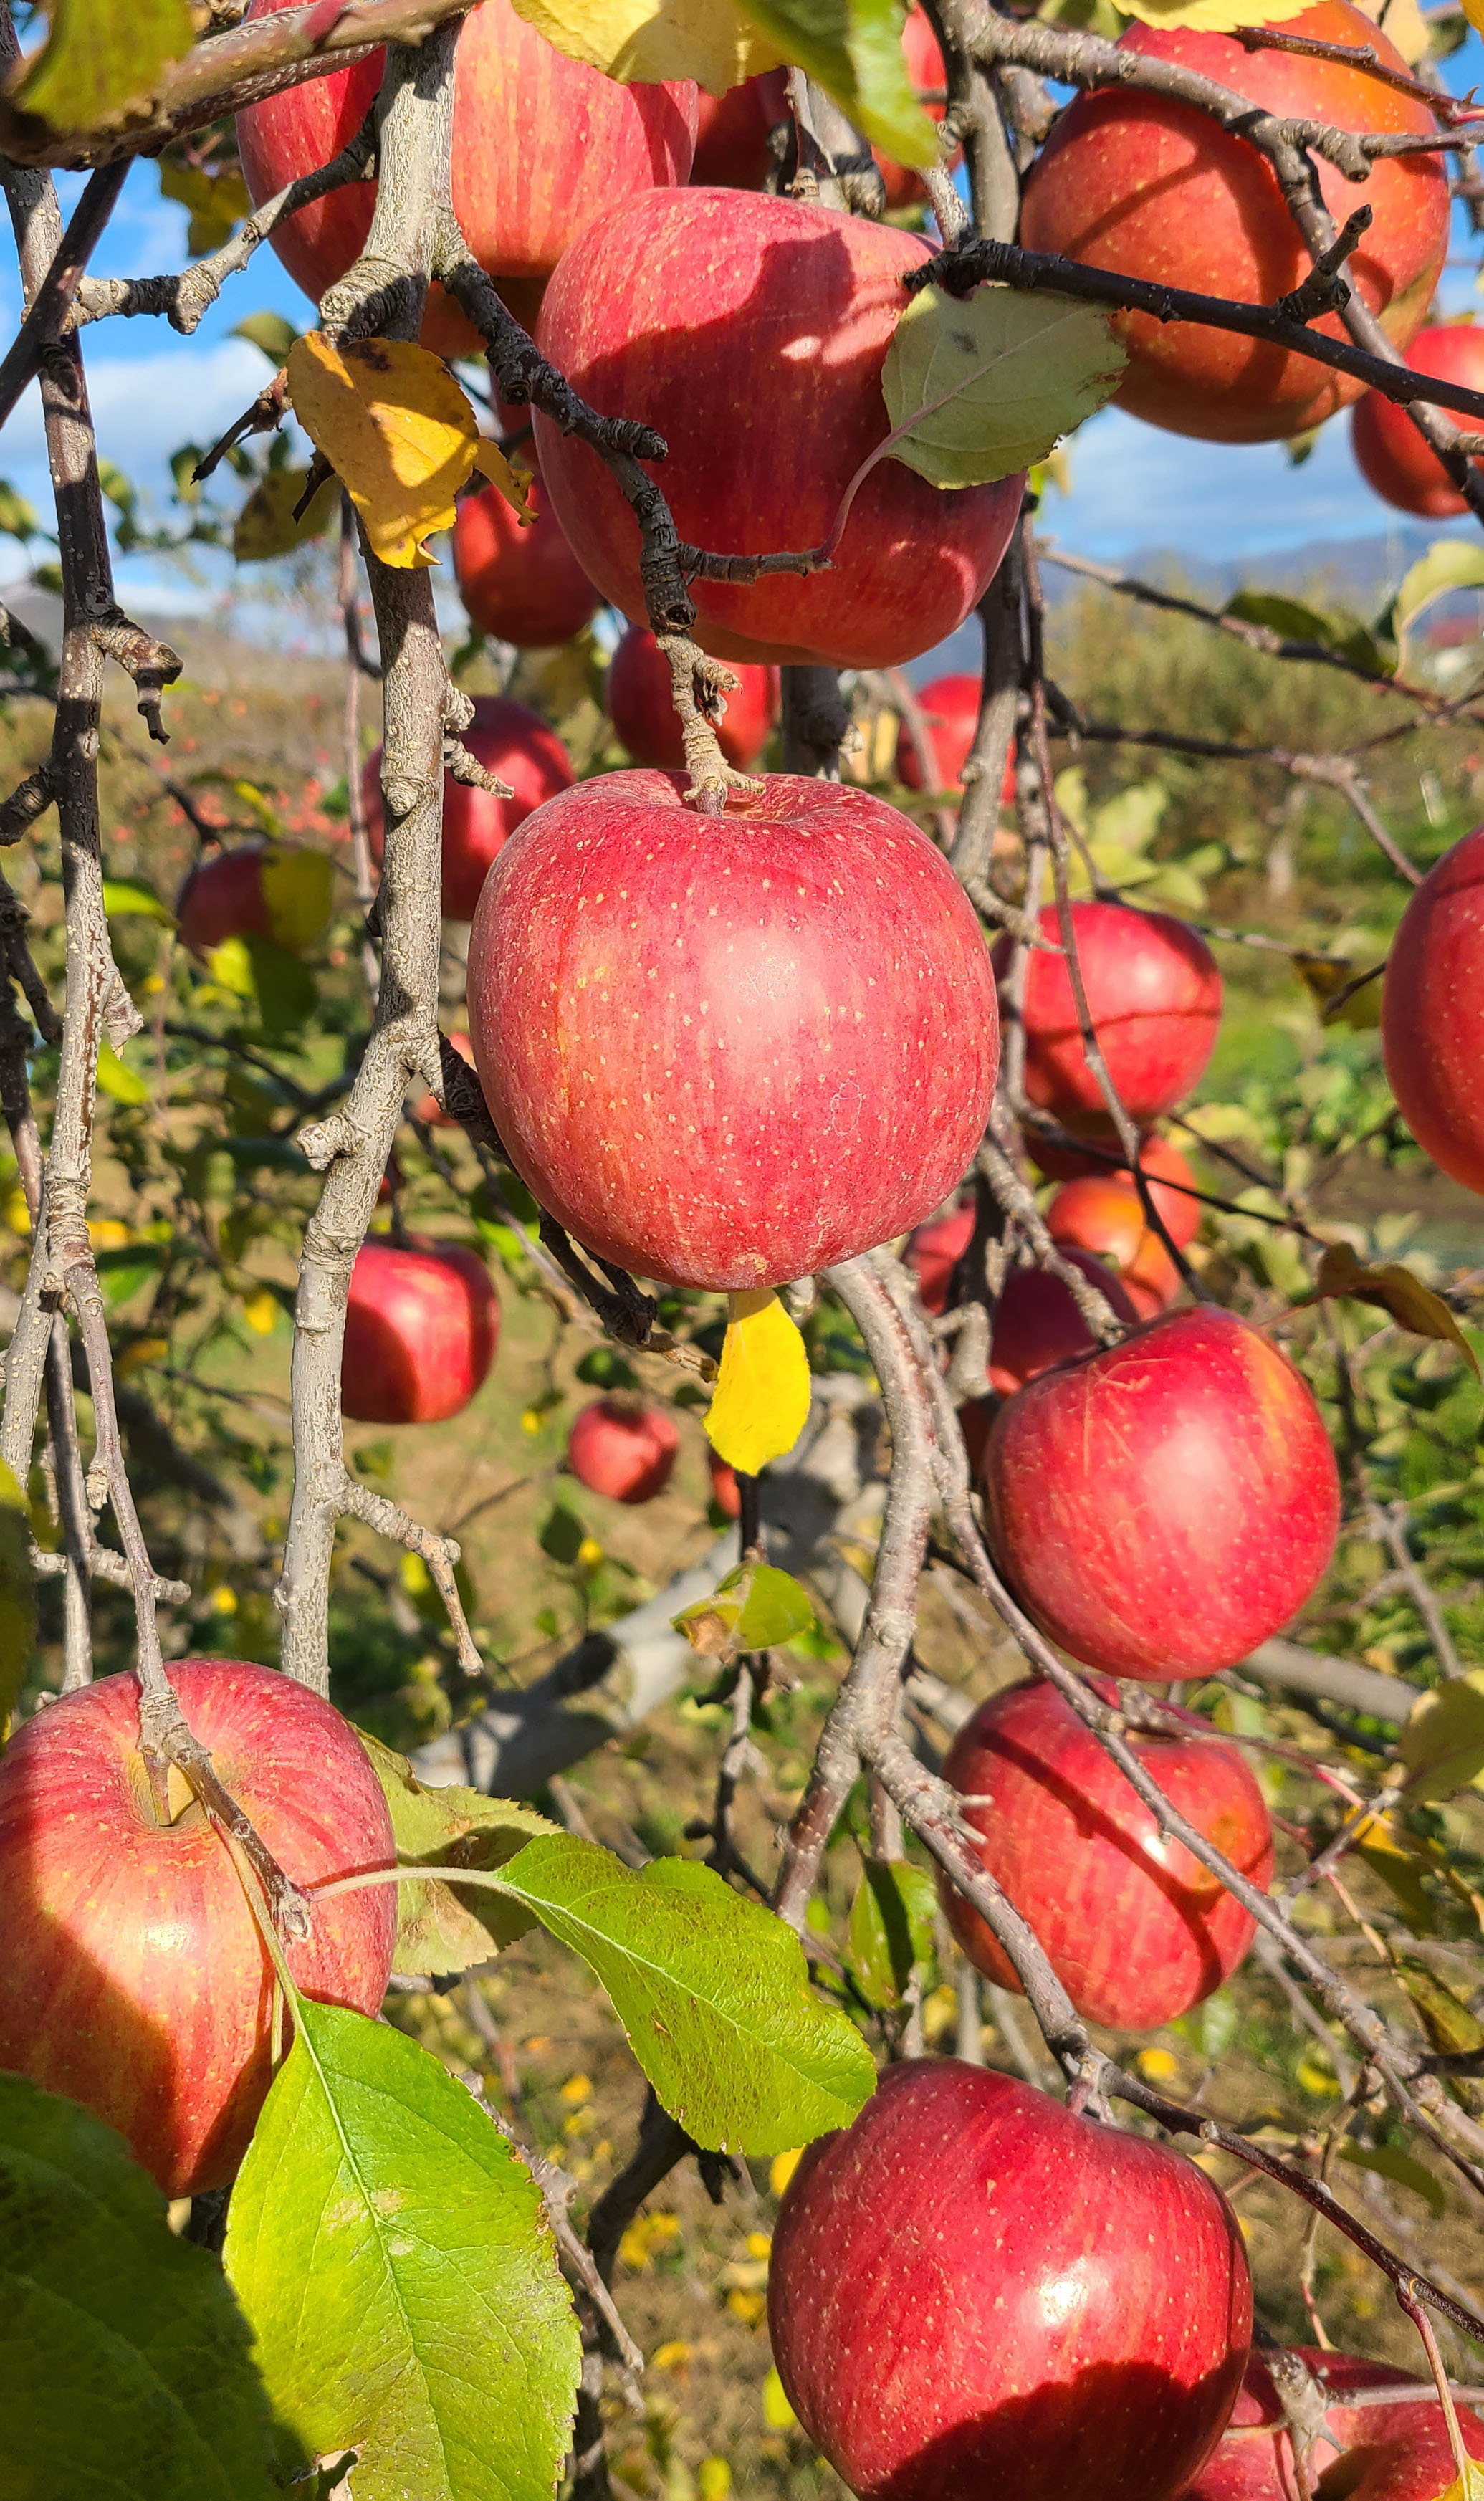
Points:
(980, 388)
(267, 527)
(99, 58)
(712, 1990)
(396, 429)
(1442, 1744)
(762, 1396)
(1394, 1289)
(709, 41)
(126, 2362)
(1449, 564)
(445, 1831)
(1392, 2164)
(891, 1927)
(853, 48)
(756, 1607)
(392, 2254)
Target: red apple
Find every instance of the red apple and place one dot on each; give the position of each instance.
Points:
(642, 708)
(1390, 453)
(1392, 2452)
(1154, 995)
(731, 130)
(1136, 1930)
(621, 1448)
(1163, 1506)
(935, 1251)
(1433, 1012)
(726, 1492)
(975, 2293)
(1106, 1216)
(510, 740)
(133, 1977)
(951, 712)
(1038, 1324)
(728, 1050)
(421, 1328)
(925, 67)
(1156, 189)
(253, 891)
(520, 581)
(541, 144)
(1171, 1179)
(751, 331)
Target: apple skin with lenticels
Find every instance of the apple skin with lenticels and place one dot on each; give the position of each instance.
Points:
(1153, 187)
(1136, 1930)
(751, 332)
(1390, 454)
(518, 578)
(134, 1978)
(730, 1050)
(1154, 996)
(541, 144)
(1390, 2453)
(975, 2295)
(1162, 1505)
(422, 1325)
(1433, 1012)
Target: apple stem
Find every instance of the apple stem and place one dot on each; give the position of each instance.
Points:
(1407, 2289)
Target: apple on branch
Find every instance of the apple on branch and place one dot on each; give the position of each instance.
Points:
(521, 749)
(422, 1325)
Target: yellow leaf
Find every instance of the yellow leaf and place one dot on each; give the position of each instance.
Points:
(1442, 1744)
(137, 1357)
(1394, 1289)
(298, 888)
(1211, 17)
(762, 1394)
(777, 2414)
(514, 483)
(1469, 2486)
(395, 426)
(261, 1313)
(781, 2169)
(1341, 994)
(705, 39)
(1405, 24)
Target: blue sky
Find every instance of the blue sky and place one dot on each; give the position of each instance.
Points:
(1133, 487)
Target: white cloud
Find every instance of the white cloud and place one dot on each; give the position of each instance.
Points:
(143, 408)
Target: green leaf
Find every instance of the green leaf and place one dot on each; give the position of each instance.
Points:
(217, 202)
(100, 56)
(123, 895)
(1449, 564)
(1449, 2024)
(266, 526)
(1442, 1744)
(712, 1991)
(452, 1828)
(891, 1927)
(18, 1595)
(122, 1272)
(269, 331)
(989, 386)
(853, 48)
(1293, 619)
(18, 518)
(1393, 2164)
(124, 2361)
(392, 2254)
(756, 1607)
(116, 1079)
(280, 989)
(561, 1534)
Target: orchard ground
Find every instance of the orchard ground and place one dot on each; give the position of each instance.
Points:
(1251, 851)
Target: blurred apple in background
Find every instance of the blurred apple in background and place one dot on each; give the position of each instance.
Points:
(621, 1448)
(639, 698)
(422, 1324)
(509, 739)
(519, 578)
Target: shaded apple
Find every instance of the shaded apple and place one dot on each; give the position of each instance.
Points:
(971, 2293)
(1136, 1930)
(1038, 1324)
(541, 144)
(255, 890)
(640, 699)
(732, 149)
(728, 1050)
(112, 1921)
(510, 740)
(1390, 453)
(1171, 1179)
(950, 708)
(935, 1251)
(726, 1492)
(751, 332)
(1105, 1214)
(1433, 1012)
(423, 1323)
(1161, 1507)
(520, 581)
(1390, 2453)
(621, 1448)
(1156, 189)
(1154, 995)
